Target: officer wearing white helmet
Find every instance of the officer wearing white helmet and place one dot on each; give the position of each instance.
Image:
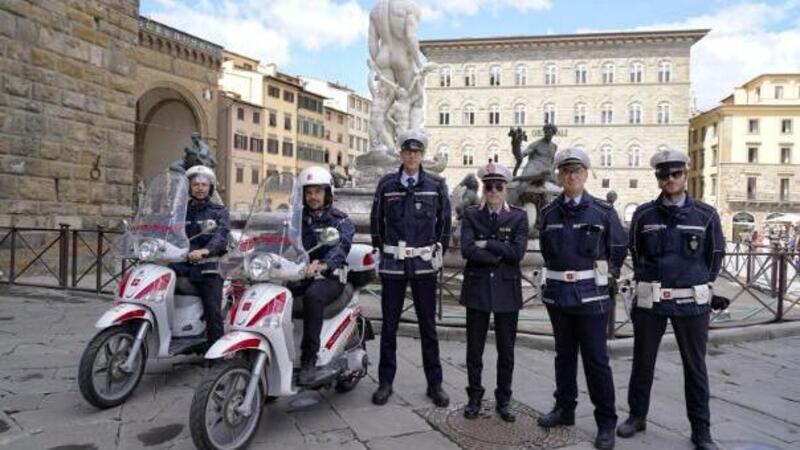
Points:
(323, 283)
(494, 237)
(677, 246)
(583, 244)
(410, 223)
(201, 269)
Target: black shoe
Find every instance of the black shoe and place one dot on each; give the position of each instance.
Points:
(438, 395)
(473, 407)
(308, 372)
(604, 439)
(382, 394)
(631, 426)
(701, 438)
(558, 416)
(505, 412)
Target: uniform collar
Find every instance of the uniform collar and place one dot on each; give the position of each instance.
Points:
(682, 201)
(401, 175)
(504, 208)
(577, 199)
(687, 201)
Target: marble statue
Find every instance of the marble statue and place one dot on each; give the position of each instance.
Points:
(539, 168)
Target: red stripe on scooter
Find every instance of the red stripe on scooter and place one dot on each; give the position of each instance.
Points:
(130, 315)
(247, 343)
(337, 333)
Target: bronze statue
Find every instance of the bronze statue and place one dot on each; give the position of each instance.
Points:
(539, 168)
(517, 138)
(469, 195)
(197, 153)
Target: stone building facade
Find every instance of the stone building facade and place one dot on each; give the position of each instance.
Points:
(745, 153)
(242, 149)
(619, 96)
(67, 110)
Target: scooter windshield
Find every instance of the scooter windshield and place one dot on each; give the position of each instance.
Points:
(158, 230)
(272, 231)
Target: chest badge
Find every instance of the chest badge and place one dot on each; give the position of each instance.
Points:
(694, 243)
(418, 206)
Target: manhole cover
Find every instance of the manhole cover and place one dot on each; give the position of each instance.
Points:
(488, 431)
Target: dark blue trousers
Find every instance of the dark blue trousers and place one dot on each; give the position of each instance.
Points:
(691, 332)
(587, 333)
(393, 292)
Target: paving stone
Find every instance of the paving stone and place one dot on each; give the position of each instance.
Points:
(383, 421)
(430, 440)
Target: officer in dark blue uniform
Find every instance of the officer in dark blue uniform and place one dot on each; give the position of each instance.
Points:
(494, 237)
(410, 223)
(677, 247)
(324, 277)
(201, 267)
(583, 244)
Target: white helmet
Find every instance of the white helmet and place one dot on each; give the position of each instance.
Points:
(205, 172)
(317, 176)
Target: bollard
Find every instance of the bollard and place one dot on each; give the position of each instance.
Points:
(63, 255)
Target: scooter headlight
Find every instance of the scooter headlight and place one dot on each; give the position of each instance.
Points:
(148, 248)
(258, 268)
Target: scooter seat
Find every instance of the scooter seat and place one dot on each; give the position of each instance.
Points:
(184, 286)
(331, 310)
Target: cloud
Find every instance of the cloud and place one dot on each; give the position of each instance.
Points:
(746, 40)
(267, 30)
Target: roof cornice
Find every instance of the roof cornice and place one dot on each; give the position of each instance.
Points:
(560, 40)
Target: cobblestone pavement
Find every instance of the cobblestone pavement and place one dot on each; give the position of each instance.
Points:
(755, 393)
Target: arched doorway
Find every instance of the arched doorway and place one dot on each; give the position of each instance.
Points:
(743, 226)
(165, 121)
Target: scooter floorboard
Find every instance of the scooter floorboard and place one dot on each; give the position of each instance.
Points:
(186, 344)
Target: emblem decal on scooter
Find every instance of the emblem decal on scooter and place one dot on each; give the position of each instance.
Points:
(136, 282)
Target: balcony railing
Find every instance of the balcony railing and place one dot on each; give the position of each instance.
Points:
(761, 197)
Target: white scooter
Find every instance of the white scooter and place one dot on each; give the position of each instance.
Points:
(154, 311)
(265, 331)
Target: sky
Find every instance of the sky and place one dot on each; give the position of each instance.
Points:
(327, 39)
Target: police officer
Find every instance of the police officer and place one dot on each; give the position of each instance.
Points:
(201, 267)
(494, 237)
(410, 223)
(583, 245)
(677, 247)
(324, 281)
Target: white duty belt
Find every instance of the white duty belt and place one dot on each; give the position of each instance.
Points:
(401, 251)
(569, 276)
(648, 293)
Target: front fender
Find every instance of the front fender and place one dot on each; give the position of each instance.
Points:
(124, 312)
(237, 341)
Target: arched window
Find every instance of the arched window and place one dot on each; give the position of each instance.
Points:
(470, 77)
(467, 155)
(607, 113)
(608, 73)
(581, 74)
(443, 151)
(664, 71)
(635, 113)
(521, 75)
(636, 74)
(663, 113)
(494, 76)
(634, 155)
(606, 156)
(519, 114)
(494, 115)
(580, 114)
(550, 74)
(549, 113)
(444, 77)
(444, 115)
(494, 153)
(469, 115)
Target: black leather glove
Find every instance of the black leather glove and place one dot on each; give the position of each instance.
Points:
(719, 303)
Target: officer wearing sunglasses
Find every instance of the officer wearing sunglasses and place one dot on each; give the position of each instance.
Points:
(677, 246)
(583, 244)
(494, 236)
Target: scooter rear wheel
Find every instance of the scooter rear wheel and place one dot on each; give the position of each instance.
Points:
(100, 379)
(214, 421)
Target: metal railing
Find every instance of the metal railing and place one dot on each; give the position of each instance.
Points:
(763, 284)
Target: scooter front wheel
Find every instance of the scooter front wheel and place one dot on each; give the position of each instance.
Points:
(101, 380)
(215, 420)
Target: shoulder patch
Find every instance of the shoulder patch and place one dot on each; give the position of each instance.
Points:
(603, 203)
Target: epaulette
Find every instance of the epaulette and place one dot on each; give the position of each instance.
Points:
(517, 207)
(705, 206)
(474, 206)
(434, 176)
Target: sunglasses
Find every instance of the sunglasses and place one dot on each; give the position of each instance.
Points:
(664, 175)
(496, 185)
